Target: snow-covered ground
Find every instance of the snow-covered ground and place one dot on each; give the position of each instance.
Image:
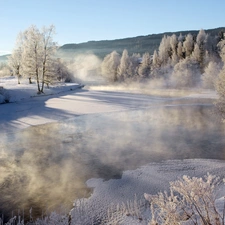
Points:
(64, 102)
(24, 91)
(151, 178)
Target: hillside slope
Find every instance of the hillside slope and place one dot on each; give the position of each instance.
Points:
(140, 44)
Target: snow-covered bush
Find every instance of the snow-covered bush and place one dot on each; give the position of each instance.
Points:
(190, 201)
(54, 218)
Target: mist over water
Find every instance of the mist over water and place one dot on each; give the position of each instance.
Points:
(45, 167)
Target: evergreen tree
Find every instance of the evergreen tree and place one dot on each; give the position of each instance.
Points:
(123, 66)
(201, 41)
(220, 83)
(109, 66)
(173, 44)
(144, 69)
(188, 45)
(210, 75)
(134, 64)
(164, 52)
(180, 51)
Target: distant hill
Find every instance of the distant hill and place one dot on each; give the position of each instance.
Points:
(4, 58)
(140, 44)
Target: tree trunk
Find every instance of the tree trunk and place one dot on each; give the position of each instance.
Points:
(18, 73)
(38, 84)
(44, 71)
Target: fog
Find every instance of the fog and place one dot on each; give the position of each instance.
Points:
(46, 167)
(85, 68)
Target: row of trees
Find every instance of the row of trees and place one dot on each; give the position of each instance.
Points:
(34, 57)
(181, 61)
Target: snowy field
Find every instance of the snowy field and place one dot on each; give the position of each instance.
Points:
(55, 146)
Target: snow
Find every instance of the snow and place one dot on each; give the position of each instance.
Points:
(23, 91)
(64, 101)
(204, 94)
(151, 179)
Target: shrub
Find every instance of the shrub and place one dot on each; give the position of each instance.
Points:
(190, 201)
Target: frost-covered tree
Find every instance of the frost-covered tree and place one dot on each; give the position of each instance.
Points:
(180, 54)
(165, 50)
(186, 73)
(173, 43)
(15, 60)
(201, 38)
(38, 55)
(15, 64)
(211, 45)
(134, 66)
(174, 59)
(181, 38)
(47, 56)
(109, 66)
(197, 54)
(220, 83)
(30, 53)
(188, 45)
(5, 70)
(210, 75)
(123, 66)
(200, 48)
(144, 68)
(155, 67)
(63, 72)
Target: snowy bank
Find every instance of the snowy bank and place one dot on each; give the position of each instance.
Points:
(15, 92)
(121, 201)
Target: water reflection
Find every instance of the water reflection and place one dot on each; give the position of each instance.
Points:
(46, 166)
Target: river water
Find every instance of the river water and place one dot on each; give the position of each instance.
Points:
(45, 167)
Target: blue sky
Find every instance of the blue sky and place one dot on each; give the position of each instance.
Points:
(79, 21)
